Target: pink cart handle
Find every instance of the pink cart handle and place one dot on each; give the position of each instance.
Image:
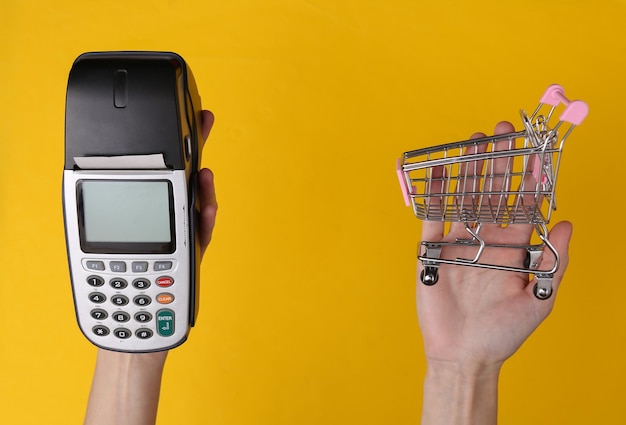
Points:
(575, 111)
(403, 184)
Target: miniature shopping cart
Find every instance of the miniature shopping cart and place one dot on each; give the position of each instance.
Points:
(502, 179)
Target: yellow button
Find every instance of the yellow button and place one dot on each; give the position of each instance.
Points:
(165, 298)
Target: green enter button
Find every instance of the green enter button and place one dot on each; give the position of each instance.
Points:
(165, 322)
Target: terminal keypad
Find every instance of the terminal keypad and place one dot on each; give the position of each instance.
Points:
(130, 298)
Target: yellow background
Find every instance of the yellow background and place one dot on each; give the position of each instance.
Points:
(307, 311)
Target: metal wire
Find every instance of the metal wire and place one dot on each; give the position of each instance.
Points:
(503, 179)
(488, 180)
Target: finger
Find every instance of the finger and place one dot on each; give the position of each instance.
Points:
(468, 184)
(560, 237)
(208, 206)
(207, 189)
(498, 183)
(433, 226)
(207, 123)
(529, 199)
(432, 231)
(471, 171)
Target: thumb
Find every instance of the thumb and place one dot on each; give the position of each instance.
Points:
(559, 237)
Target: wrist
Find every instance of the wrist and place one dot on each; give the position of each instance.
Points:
(114, 360)
(469, 370)
(460, 393)
(125, 388)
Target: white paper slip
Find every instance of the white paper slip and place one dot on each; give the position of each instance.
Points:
(127, 162)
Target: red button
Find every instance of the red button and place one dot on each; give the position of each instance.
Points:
(165, 281)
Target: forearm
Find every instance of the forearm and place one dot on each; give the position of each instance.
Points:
(458, 395)
(125, 388)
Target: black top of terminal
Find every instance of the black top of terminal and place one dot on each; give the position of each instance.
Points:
(129, 103)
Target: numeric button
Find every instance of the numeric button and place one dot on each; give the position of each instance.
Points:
(119, 300)
(141, 283)
(143, 317)
(121, 316)
(95, 281)
(99, 314)
(97, 297)
(118, 283)
(142, 300)
(122, 333)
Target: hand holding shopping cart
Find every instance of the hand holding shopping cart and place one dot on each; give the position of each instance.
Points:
(489, 187)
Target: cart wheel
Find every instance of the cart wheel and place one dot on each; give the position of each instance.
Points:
(542, 293)
(429, 276)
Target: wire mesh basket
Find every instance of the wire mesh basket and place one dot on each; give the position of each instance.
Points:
(502, 179)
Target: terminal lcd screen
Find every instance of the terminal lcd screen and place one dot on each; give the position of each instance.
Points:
(126, 216)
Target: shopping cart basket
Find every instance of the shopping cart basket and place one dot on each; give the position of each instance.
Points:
(502, 179)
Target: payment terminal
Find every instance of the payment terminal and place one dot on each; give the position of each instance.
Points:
(132, 152)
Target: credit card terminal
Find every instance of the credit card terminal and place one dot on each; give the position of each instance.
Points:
(132, 151)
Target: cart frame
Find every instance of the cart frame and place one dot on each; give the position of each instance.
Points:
(503, 179)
